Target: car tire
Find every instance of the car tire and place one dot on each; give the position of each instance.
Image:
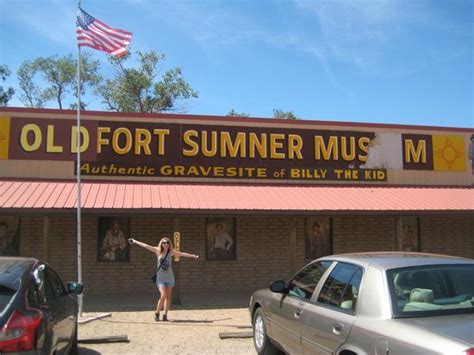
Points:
(261, 340)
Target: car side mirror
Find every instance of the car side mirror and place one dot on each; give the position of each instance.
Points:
(278, 286)
(74, 288)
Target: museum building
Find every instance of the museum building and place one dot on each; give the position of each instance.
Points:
(255, 198)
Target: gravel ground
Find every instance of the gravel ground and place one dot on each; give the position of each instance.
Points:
(189, 331)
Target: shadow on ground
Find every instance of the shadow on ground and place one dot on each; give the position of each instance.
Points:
(86, 351)
(146, 302)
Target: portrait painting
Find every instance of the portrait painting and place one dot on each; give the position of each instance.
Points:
(220, 238)
(318, 237)
(112, 239)
(407, 234)
(9, 235)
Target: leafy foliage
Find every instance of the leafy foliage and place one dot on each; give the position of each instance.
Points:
(233, 113)
(5, 95)
(57, 77)
(285, 115)
(138, 90)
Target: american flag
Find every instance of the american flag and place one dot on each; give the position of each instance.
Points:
(95, 34)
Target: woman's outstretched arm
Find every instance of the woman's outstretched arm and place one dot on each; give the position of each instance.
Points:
(186, 255)
(143, 245)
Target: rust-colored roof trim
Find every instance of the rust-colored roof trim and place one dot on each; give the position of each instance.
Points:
(135, 115)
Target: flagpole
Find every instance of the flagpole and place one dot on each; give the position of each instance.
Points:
(78, 174)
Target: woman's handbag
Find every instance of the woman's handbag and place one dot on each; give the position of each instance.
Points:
(153, 278)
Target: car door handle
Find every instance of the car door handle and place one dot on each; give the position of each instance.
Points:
(337, 328)
(298, 312)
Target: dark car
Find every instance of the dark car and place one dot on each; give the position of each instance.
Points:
(38, 315)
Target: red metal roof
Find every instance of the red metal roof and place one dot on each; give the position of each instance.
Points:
(36, 195)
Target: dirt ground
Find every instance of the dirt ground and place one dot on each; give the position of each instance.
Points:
(188, 331)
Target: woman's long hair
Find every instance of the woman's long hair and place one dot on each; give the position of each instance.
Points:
(160, 245)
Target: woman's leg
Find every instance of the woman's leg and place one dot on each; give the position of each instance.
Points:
(167, 298)
(161, 301)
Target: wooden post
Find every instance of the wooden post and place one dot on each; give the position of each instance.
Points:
(176, 299)
(46, 239)
(292, 242)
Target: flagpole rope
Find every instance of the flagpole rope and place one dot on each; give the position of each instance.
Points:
(78, 174)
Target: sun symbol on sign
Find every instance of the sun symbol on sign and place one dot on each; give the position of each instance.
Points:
(448, 153)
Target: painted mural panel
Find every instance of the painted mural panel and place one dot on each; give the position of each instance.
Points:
(408, 234)
(112, 239)
(248, 151)
(318, 241)
(220, 238)
(9, 236)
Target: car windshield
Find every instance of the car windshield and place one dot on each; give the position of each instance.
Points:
(432, 290)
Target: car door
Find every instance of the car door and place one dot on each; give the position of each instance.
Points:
(45, 298)
(327, 320)
(285, 320)
(63, 310)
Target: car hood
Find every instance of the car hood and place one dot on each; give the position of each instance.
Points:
(459, 326)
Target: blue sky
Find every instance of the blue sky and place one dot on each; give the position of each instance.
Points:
(384, 61)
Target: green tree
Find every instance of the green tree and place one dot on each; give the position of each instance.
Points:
(285, 115)
(233, 113)
(54, 78)
(5, 95)
(143, 89)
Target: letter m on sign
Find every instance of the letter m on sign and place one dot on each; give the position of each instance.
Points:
(417, 152)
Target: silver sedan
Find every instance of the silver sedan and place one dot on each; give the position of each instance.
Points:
(369, 303)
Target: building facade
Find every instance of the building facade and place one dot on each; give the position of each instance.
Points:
(255, 198)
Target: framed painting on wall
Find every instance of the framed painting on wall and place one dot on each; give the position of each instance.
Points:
(220, 238)
(9, 235)
(112, 239)
(318, 238)
(408, 234)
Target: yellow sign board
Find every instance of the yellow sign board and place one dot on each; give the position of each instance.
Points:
(449, 153)
(4, 137)
(177, 244)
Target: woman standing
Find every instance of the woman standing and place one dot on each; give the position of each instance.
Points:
(164, 277)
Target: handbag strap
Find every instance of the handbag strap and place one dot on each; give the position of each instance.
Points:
(162, 261)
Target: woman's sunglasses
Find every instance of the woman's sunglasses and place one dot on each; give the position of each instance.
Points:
(165, 243)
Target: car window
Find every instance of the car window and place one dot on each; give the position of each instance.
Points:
(304, 283)
(33, 299)
(432, 290)
(43, 285)
(341, 288)
(55, 282)
(6, 295)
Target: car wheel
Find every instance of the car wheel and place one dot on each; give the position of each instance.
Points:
(73, 350)
(260, 338)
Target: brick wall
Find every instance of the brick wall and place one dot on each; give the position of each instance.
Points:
(262, 248)
(452, 235)
(31, 236)
(363, 233)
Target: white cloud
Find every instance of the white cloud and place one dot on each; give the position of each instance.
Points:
(215, 26)
(355, 31)
(57, 26)
(368, 33)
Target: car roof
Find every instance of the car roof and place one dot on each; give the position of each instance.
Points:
(13, 268)
(392, 260)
